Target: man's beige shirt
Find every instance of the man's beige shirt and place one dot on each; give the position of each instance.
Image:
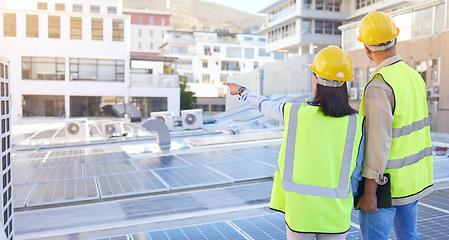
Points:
(379, 105)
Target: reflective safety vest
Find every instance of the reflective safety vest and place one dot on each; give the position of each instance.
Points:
(410, 160)
(317, 157)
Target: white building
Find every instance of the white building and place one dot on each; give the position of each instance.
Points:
(303, 27)
(71, 59)
(207, 58)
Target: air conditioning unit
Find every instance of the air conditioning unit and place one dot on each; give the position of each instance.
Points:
(165, 117)
(192, 119)
(114, 129)
(77, 128)
(353, 94)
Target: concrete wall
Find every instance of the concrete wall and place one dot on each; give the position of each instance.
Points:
(413, 52)
(288, 76)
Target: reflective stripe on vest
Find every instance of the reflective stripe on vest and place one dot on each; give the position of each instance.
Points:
(409, 160)
(406, 130)
(287, 182)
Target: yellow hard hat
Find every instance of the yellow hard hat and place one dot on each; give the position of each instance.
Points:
(377, 28)
(332, 63)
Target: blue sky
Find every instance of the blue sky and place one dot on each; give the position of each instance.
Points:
(251, 6)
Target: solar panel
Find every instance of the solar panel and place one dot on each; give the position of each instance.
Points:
(263, 154)
(263, 227)
(64, 160)
(191, 176)
(45, 134)
(215, 231)
(107, 157)
(158, 162)
(208, 157)
(105, 168)
(56, 173)
(22, 170)
(245, 170)
(129, 183)
(28, 156)
(64, 191)
(21, 194)
(125, 237)
(438, 199)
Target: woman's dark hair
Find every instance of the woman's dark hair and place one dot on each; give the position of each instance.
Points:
(333, 101)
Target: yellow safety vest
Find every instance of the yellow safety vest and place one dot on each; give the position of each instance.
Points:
(317, 157)
(410, 162)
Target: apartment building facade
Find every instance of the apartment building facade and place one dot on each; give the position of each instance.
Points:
(207, 58)
(72, 59)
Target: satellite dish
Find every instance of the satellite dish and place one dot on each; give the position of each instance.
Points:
(190, 118)
(73, 128)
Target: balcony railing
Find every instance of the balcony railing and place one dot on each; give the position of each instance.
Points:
(154, 81)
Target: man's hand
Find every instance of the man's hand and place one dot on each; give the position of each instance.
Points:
(233, 88)
(368, 201)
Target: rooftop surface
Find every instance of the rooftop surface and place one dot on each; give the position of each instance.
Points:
(214, 183)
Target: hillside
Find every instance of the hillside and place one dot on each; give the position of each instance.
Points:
(197, 15)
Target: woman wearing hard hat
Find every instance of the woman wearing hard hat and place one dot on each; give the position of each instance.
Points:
(320, 150)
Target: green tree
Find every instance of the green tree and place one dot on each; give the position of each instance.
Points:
(187, 97)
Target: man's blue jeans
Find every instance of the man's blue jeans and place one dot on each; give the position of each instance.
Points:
(377, 226)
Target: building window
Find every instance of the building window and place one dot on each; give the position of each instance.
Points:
(41, 5)
(151, 33)
(327, 27)
(32, 25)
(328, 5)
(216, 49)
(256, 65)
(112, 10)
(117, 30)
(249, 52)
(204, 64)
(307, 4)
(146, 105)
(205, 107)
(97, 29)
(94, 106)
(364, 3)
(77, 8)
(422, 22)
(54, 26)
(139, 33)
(43, 68)
(249, 39)
(43, 106)
(230, 66)
(234, 52)
(163, 21)
(94, 9)
(279, 56)
(139, 45)
(9, 24)
(306, 26)
(218, 108)
(97, 70)
(205, 78)
(262, 40)
(183, 64)
(181, 50)
(151, 46)
(263, 53)
(151, 21)
(59, 6)
(76, 28)
(139, 20)
(224, 77)
(207, 50)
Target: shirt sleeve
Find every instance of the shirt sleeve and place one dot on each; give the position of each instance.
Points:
(379, 104)
(264, 105)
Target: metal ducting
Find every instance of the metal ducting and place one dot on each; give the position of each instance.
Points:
(127, 108)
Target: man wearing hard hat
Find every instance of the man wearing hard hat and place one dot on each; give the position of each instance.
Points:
(319, 152)
(397, 135)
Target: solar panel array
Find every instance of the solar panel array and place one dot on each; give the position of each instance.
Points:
(82, 174)
(432, 224)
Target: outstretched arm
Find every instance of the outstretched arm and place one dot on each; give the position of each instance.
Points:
(263, 104)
